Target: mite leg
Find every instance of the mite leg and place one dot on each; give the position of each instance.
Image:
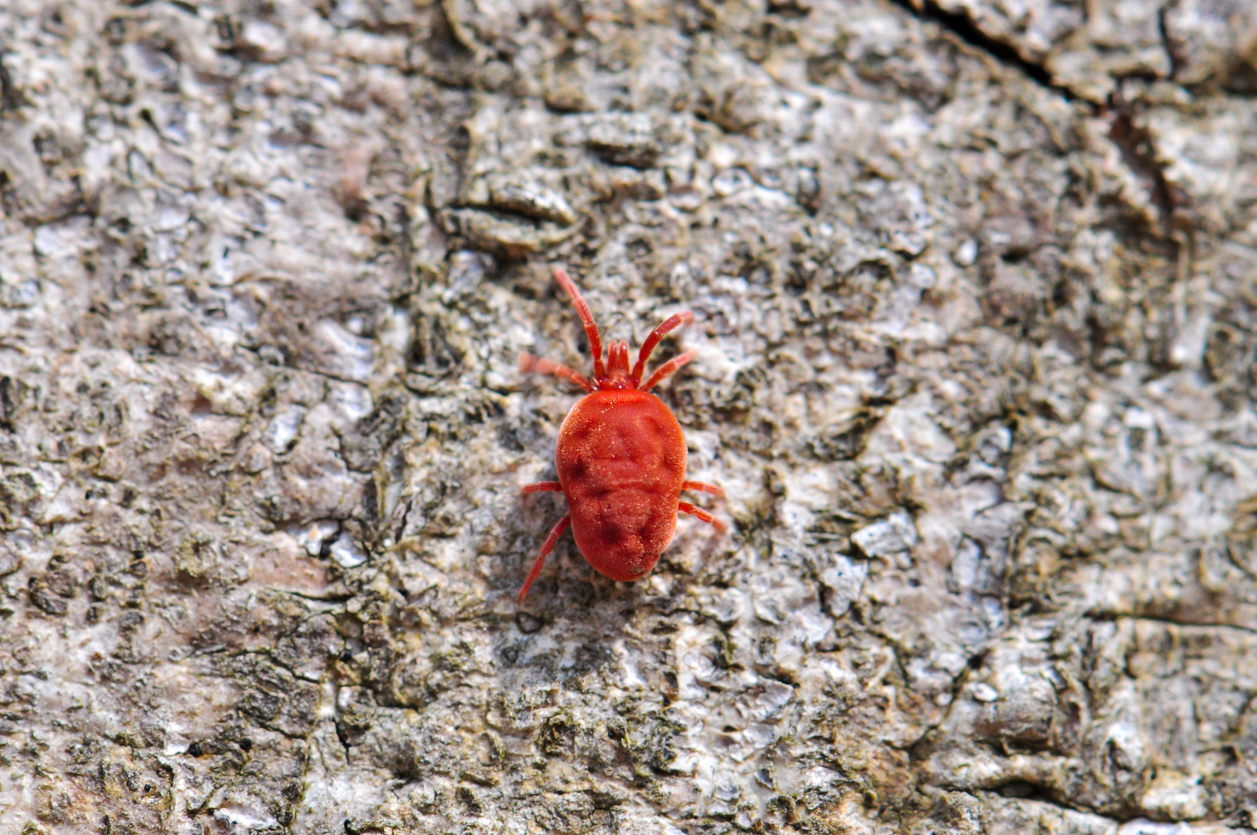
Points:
(546, 548)
(528, 364)
(703, 487)
(667, 368)
(542, 487)
(686, 507)
(670, 324)
(586, 319)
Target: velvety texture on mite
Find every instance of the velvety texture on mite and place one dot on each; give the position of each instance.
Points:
(620, 456)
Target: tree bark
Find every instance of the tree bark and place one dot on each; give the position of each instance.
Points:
(973, 286)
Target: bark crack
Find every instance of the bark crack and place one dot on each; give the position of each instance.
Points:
(964, 27)
(1135, 143)
(1139, 153)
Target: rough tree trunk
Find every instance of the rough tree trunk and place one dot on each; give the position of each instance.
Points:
(975, 296)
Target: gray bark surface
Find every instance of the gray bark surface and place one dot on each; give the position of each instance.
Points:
(975, 286)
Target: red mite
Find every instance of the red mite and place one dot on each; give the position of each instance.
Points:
(620, 456)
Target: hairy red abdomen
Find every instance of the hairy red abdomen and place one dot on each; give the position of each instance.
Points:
(621, 461)
(620, 456)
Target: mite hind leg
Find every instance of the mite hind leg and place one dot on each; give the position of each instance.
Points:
(546, 548)
(699, 513)
(542, 487)
(704, 487)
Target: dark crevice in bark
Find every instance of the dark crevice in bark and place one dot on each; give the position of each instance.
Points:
(1034, 793)
(1134, 143)
(1175, 59)
(1113, 617)
(10, 101)
(331, 598)
(963, 26)
(1140, 155)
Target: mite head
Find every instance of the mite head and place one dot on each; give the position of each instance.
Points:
(614, 372)
(618, 375)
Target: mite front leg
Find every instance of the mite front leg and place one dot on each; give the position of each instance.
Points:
(668, 368)
(546, 548)
(671, 323)
(542, 487)
(703, 487)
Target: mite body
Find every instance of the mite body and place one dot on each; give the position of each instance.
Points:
(620, 456)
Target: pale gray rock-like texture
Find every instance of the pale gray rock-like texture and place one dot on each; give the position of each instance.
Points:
(975, 286)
